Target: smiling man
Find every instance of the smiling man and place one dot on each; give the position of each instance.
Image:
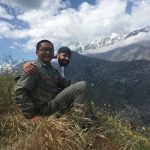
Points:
(60, 61)
(46, 92)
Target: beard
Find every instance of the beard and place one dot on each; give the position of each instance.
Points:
(63, 62)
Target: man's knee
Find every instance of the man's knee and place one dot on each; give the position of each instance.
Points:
(82, 85)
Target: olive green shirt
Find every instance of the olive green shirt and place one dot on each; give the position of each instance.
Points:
(36, 91)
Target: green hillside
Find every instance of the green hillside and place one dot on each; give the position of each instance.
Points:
(70, 131)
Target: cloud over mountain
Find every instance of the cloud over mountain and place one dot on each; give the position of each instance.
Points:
(57, 21)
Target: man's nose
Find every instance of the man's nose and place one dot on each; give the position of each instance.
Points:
(47, 52)
(67, 58)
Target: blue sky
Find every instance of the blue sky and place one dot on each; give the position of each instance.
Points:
(65, 22)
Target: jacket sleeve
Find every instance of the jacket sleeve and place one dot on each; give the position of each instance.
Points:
(22, 90)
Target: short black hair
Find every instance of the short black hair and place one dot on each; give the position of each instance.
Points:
(64, 49)
(38, 45)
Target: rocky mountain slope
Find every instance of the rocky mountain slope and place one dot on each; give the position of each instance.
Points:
(123, 86)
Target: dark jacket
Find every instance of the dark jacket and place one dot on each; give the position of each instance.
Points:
(35, 92)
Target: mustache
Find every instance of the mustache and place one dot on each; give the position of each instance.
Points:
(63, 62)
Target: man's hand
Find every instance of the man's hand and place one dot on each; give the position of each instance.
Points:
(30, 68)
(36, 118)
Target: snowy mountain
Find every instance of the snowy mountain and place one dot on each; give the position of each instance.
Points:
(135, 51)
(5, 68)
(136, 32)
(113, 39)
(100, 42)
(106, 41)
(135, 46)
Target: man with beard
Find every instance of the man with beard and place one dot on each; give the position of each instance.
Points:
(60, 61)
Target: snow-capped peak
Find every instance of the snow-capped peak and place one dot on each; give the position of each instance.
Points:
(104, 42)
(136, 32)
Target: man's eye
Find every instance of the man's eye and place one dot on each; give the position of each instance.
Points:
(47, 49)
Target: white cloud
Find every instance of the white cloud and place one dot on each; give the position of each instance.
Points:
(5, 29)
(140, 16)
(63, 25)
(4, 14)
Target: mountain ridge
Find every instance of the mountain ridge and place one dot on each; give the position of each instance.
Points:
(108, 40)
(118, 84)
(135, 51)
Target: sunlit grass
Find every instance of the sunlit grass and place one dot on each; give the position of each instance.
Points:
(63, 132)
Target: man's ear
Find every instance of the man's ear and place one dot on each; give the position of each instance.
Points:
(36, 52)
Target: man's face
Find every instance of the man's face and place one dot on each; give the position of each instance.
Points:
(63, 59)
(46, 52)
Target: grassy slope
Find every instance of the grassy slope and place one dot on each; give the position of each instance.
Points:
(62, 132)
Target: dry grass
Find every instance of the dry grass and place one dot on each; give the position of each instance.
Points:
(65, 132)
(70, 131)
(48, 133)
